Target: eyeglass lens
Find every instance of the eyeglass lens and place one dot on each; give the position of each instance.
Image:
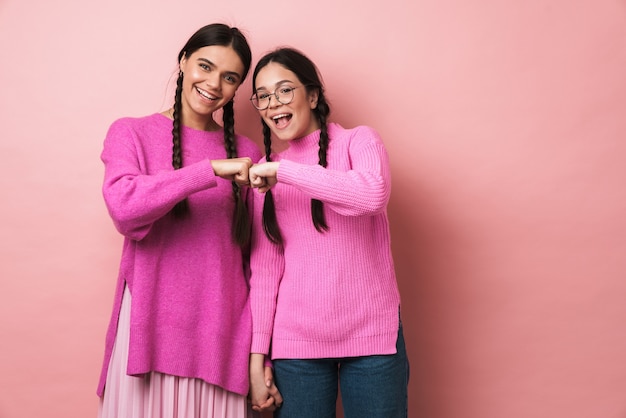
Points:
(284, 95)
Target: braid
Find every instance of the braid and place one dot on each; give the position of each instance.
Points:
(317, 206)
(270, 224)
(229, 129)
(181, 208)
(241, 222)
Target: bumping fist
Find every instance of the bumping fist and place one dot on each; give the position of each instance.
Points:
(233, 169)
(263, 176)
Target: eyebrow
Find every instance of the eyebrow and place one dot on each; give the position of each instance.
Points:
(212, 64)
(276, 84)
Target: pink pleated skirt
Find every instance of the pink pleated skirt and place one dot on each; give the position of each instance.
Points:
(158, 395)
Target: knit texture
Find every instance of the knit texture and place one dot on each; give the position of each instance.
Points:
(331, 294)
(190, 313)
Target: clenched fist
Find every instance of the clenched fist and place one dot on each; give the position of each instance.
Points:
(233, 169)
(263, 176)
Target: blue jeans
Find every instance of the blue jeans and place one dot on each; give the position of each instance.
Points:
(371, 386)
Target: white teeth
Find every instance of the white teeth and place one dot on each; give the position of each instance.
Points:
(205, 94)
(282, 115)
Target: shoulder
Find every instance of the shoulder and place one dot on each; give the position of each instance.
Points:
(132, 132)
(151, 123)
(359, 134)
(153, 120)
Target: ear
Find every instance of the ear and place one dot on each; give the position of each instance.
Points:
(313, 98)
(182, 63)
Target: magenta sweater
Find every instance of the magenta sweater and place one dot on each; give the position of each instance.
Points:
(190, 313)
(333, 294)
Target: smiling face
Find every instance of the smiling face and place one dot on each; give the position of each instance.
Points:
(287, 121)
(212, 75)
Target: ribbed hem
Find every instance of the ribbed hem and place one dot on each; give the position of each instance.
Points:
(367, 346)
(199, 176)
(260, 343)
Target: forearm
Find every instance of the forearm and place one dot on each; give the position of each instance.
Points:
(136, 200)
(355, 192)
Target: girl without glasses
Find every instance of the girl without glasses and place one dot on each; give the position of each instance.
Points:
(325, 302)
(179, 337)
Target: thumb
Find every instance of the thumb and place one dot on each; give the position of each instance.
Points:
(268, 377)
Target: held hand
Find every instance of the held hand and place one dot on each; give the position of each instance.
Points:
(271, 386)
(274, 398)
(264, 395)
(233, 169)
(263, 176)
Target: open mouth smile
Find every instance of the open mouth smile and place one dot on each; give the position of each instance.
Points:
(281, 120)
(206, 94)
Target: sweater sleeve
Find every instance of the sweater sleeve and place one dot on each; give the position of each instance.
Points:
(364, 189)
(266, 270)
(136, 199)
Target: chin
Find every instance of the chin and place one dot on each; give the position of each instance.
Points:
(281, 136)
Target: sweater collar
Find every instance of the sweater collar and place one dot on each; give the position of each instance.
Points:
(305, 142)
(189, 132)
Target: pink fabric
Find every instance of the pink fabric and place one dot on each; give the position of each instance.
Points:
(158, 395)
(190, 314)
(338, 293)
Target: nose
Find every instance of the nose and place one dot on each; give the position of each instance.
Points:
(213, 81)
(273, 96)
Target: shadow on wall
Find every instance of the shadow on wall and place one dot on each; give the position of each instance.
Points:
(421, 238)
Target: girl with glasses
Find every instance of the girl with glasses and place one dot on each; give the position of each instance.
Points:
(324, 297)
(175, 186)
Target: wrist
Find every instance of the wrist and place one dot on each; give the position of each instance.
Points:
(257, 360)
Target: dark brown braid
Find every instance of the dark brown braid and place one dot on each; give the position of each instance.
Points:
(270, 224)
(241, 224)
(181, 207)
(317, 206)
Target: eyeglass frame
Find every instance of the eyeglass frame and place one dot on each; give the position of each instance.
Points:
(275, 94)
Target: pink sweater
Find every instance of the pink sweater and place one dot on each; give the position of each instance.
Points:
(190, 313)
(333, 294)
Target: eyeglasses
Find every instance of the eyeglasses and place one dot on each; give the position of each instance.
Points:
(284, 95)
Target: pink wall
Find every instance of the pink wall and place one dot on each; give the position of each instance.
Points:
(505, 123)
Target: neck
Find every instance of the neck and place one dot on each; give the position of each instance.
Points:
(199, 123)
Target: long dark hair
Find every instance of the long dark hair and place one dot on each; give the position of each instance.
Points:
(308, 74)
(222, 35)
